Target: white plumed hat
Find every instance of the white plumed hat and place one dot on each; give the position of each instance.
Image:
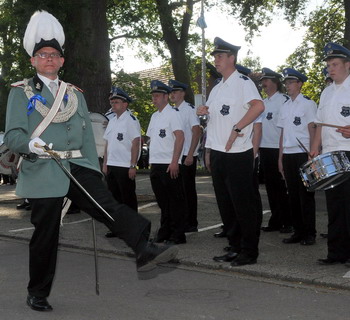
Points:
(43, 30)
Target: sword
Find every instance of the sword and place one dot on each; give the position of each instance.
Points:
(97, 283)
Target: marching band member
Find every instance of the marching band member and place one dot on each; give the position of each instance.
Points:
(280, 219)
(296, 119)
(334, 108)
(188, 168)
(233, 105)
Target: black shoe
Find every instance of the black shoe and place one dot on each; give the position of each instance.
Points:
(308, 241)
(228, 248)
(191, 229)
(228, 257)
(242, 260)
(287, 229)
(152, 255)
(324, 235)
(221, 234)
(23, 205)
(330, 261)
(110, 234)
(293, 239)
(38, 304)
(269, 229)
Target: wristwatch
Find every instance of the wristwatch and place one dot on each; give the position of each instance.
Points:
(234, 128)
(133, 166)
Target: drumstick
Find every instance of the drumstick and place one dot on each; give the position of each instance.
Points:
(329, 125)
(304, 148)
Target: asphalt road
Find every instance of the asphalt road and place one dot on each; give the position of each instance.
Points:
(286, 283)
(175, 293)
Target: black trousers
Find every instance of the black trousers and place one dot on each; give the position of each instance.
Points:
(338, 207)
(188, 174)
(236, 197)
(121, 186)
(301, 201)
(171, 201)
(46, 214)
(276, 189)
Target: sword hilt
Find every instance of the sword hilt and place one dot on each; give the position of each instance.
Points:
(47, 149)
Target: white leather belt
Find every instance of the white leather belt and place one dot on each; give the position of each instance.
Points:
(71, 154)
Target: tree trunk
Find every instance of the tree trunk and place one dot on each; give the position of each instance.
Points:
(87, 50)
(177, 47)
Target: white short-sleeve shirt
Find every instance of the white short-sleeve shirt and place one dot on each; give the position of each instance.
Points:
(161, 132)
(119, 134)
(294, 118)
(270, 132)
(228, 102)
(189, 120)
(334, 108)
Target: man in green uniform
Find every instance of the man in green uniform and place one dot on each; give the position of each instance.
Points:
(42, 181)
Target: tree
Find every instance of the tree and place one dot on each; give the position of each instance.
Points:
(87, 46)
(322, 29)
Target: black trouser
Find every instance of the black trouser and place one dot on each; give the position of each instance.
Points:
(189, 183)
(301, 201)
(338, 207)
(46, 215)
(121, 186)
(171, 201)
(276, 189)
(236, 197)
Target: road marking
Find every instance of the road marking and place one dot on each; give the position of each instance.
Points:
(151, 204)
(32, 228)
(84, 220)
(210, 227)
(24, 229)
(144, 179)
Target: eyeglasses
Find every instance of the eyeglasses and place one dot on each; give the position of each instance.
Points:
(45, 55)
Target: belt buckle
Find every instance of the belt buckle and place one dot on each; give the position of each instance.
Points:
(68, 155)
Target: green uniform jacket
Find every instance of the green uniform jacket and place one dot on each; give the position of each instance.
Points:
(44, 178)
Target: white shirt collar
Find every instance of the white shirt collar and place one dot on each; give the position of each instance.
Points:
(47, 80)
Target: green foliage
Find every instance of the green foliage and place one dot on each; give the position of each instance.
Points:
(252, 63)
(325, 25)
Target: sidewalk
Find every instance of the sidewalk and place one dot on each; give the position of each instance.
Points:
(278, 261)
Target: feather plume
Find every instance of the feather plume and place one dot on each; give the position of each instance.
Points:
(42, 25)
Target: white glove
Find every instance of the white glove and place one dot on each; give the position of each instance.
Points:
(39, 151)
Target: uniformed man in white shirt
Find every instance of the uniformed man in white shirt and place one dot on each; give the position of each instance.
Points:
(122, 150)
(188, 166)
(166, 144)
(334, 109)
(296, 119)
(233, 105)
(280, 219)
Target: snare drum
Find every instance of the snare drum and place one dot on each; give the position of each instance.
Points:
(325, 171)
(99, 124)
